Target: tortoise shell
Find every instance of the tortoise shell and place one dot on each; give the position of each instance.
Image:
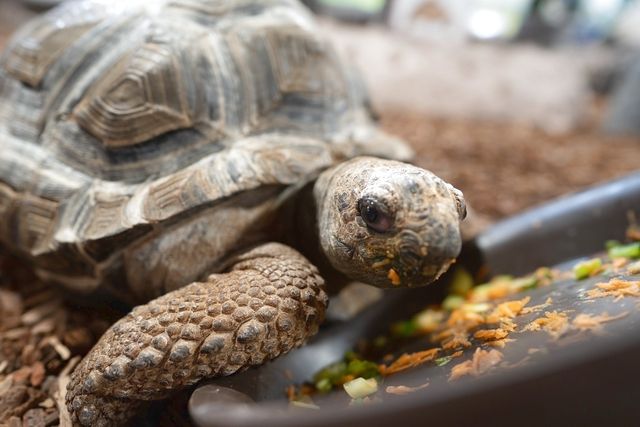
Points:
(120, 118)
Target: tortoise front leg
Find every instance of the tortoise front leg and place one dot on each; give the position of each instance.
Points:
(271, 301)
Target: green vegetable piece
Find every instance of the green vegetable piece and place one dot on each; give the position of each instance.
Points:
(609, 244)
(304, 405)
(404, 329)
(363, 368)
(585, 269)
(461, 283)
(478, 307)
(524, 283)
(380, 341)
(351, 355)
(452, 302)
(441, 361)
(324, 385)
(334, 373)
(480, 293)
(625, 251)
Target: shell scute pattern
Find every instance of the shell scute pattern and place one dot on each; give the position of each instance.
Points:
(141, 97)
(256, 100)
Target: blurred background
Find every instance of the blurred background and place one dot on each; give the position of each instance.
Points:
(513, 101)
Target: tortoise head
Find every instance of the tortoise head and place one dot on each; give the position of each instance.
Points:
(388, 223)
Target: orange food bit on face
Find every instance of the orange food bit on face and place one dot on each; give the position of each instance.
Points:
(393, 276)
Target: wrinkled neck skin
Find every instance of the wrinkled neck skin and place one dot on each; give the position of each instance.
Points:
(386, 223)
(302, 233)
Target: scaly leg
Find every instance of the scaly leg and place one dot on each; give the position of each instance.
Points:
(271, 301)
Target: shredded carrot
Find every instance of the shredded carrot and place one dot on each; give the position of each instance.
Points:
(393, 277)
(554, 323)
(483, 361)
(536, 308)
(509, 310)
(401, 390)
(458, 339)
(409, 360)
(491, 334)
(617, 288)
(586, 322)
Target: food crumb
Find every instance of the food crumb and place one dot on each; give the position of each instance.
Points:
(401, 390)
(553, 322)
(499, 343)
(634, 268)
(483, 361)
(588, 322)
(537, 308)
(509, 309)
(617, 288)
(393, 276)
(457, 339)
(409, 360)
(490, 334)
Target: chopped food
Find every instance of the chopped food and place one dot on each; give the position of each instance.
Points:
(481, 363)
(343, 371)
(491, 334)
(393, 277)
(360, 387)
(507, 310)
(464, 318)
(401, 390)
(304, 404)
(633, 231)
(588, 268)
(481, 319)
(461, 283)
(478, 307)
(589, 322)
(452, 302)
(409, 360)
(617, 288)
(554, 322)
(501, 343)
(441, 361)
(537, 308)
(404, 329)
(458, 339)
(631, 250)
(634, 268)
(428, 320)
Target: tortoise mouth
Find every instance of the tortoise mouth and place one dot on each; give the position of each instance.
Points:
(410, 260)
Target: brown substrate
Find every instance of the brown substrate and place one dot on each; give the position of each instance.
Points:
(505, 168)
(42, 336)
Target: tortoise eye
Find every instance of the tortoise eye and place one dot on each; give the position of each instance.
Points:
(374, 215)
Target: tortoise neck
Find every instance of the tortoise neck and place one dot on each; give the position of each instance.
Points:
(303, 234)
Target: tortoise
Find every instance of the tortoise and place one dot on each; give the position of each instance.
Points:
(214, 161)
